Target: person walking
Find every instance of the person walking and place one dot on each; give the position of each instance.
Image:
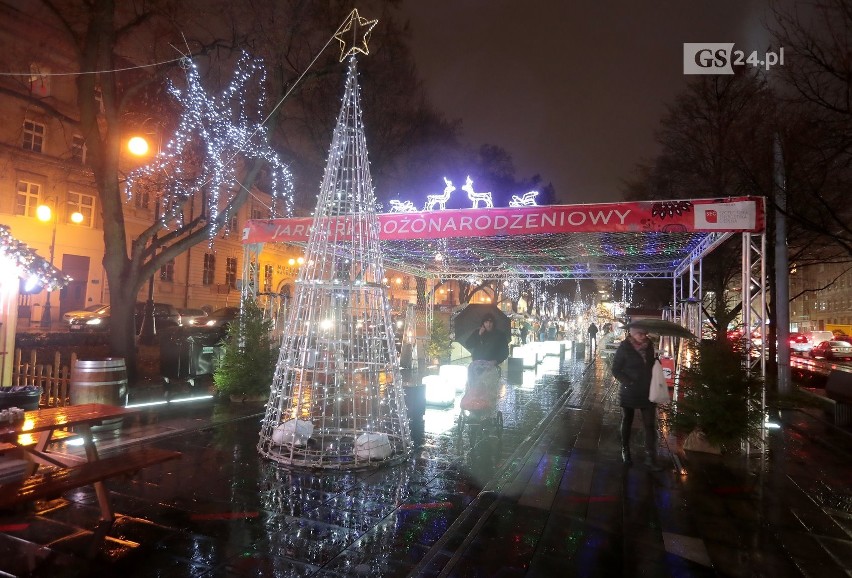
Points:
(631, 366)
(593, 337)
(525, 330)
(488, 347)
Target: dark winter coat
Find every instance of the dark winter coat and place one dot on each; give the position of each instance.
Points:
(634, 374)
(490, 346)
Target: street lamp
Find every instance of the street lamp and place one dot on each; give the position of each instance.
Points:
(138, 146)
(46, 214)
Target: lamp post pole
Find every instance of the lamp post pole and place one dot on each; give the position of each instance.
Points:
(46, 313)
(45, 214)
(148, 331)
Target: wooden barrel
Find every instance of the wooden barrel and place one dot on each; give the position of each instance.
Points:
(100, 381)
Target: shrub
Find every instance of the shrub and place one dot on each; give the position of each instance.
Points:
(248, 362)
(718, 396)
(440, 343)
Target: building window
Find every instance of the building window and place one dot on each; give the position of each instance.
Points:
(231, 272)
(78, 149)
(39, 80)
(83, 204)
(142, 199)
(27, 199)
(33, 136)
(209, 269)
(267, 278)
(167, 271)
(258, 213)
(231, 227)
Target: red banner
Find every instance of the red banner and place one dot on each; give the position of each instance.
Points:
(733, 214)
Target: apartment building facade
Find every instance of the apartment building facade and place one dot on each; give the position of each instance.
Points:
(43, 163)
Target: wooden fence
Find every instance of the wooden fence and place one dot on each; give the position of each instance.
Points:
(54, 380)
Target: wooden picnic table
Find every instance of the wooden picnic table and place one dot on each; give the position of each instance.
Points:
(71, 471)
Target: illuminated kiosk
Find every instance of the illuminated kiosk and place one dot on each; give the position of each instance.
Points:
(337, 400)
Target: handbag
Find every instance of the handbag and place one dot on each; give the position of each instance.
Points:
(659, 392)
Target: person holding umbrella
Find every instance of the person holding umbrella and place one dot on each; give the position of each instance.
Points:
(631, 366)
(488, 343)
(488, 348)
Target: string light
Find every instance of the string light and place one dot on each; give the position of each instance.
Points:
(338, 367)
(475, 197)
(28, 264)
(213, 135)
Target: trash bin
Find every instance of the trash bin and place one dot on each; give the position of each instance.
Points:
(190, 352)
(174, 363)
(205, 349)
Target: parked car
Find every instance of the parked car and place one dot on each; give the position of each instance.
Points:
(222, 317)
(165, 315)
(812, 338)
(832, 350)
(192, 316)
(78, 317)
(86, 320)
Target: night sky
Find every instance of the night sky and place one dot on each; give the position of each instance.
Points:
(573, 91)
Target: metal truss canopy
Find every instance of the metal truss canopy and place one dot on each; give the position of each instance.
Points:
(650, 240)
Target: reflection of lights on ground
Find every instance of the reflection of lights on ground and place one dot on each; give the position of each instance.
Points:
(528, 379)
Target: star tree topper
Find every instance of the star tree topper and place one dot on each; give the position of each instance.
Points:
(354, 34)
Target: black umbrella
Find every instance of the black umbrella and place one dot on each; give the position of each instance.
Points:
(662, 327)
(469, 320)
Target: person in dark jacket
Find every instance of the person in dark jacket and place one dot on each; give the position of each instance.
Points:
(593, 337)
(631, 366)
(488, 348)
(488, 343)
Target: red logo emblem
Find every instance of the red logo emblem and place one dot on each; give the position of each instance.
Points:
(711, 216)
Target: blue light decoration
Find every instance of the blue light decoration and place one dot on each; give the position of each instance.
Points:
(215, 135)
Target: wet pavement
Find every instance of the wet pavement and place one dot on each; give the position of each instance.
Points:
(552, 499)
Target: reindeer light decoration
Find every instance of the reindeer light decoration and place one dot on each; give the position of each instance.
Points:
(477, 197)
(440, 200)
(528, 200)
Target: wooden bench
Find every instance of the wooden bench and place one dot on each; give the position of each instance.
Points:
(838, 388)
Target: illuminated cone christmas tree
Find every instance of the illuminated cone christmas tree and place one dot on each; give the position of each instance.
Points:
(337, 399)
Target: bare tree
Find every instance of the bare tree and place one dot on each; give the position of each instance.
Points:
(716, 142)
(108, 40)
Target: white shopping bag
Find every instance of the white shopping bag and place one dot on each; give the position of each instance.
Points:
(659, 392)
